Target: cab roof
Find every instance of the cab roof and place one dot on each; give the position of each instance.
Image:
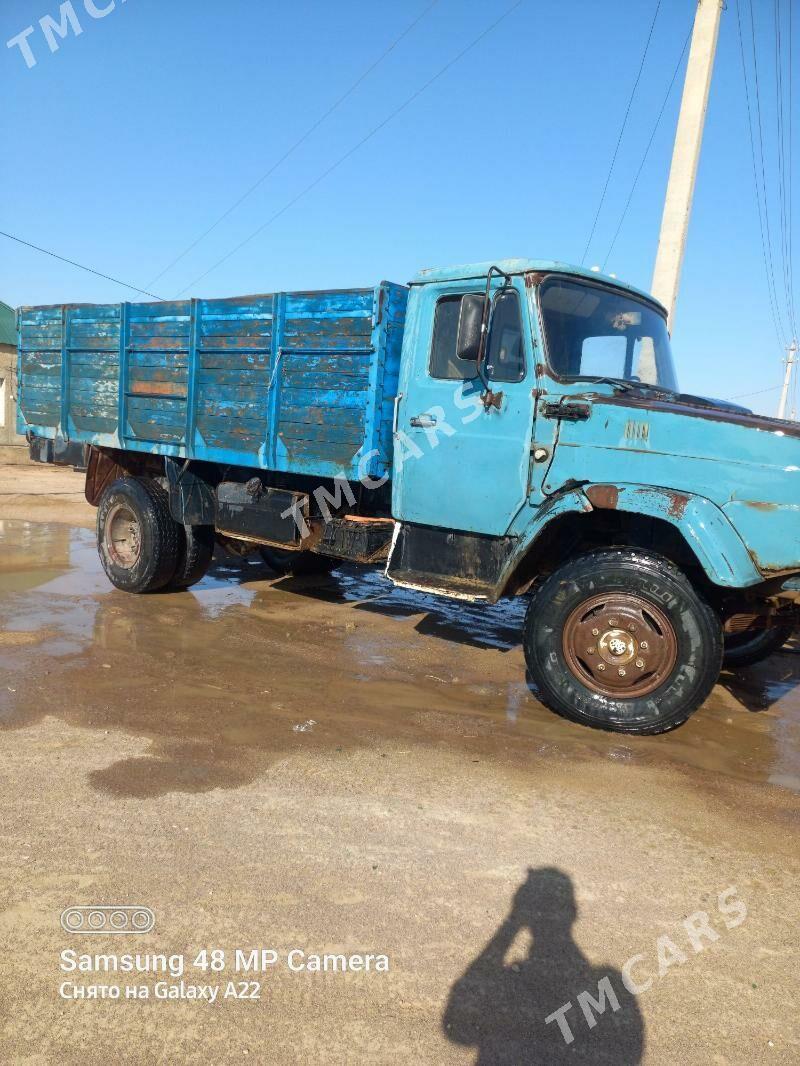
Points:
(464, 271)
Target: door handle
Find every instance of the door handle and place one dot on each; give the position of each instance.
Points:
(396, 412)
(423, 421)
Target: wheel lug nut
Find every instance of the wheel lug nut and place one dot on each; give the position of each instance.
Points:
(595, 632)
(640, 663)
(621, 672)
(632, 627)
(643, 645)
(591, 650)
(613, 623)
(601, 666)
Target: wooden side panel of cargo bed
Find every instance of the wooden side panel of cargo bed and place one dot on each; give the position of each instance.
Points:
(93, 334)
(157, 382)
(40, 341)
(234, 360)
(326, 368)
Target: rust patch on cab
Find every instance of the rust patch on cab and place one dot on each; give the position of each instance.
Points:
(677, 504)
(761, 505)
(604, 497)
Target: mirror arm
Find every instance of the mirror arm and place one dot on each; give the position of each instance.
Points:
(490, 399)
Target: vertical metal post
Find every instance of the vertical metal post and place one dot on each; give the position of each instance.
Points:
(685, 155)
(273, 396)
(191, 375)
(124, 354)
(791, 351)
(64, 418)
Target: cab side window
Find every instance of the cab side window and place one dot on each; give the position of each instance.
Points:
(444, 362)
(505, 360)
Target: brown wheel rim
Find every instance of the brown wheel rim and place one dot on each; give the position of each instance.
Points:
(620, 645)
(123, 536)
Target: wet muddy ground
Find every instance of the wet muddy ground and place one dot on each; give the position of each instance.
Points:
(334, 765)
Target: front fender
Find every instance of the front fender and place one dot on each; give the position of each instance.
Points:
(704, 526)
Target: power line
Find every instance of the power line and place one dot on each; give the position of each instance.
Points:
(301, 140)
(351, 151)
(771, 271)
(791, 136)
(647, 149)
(757, 392)
(782, 216)
(771, 293)
(80, 266)
(621, 132)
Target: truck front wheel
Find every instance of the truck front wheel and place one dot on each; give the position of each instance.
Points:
(137, 538)
(620, 640)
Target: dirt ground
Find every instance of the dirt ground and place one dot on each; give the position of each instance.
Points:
(333, 766)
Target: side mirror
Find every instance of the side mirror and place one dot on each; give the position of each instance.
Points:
(470, 320)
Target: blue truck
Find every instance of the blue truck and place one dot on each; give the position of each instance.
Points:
(487, 431)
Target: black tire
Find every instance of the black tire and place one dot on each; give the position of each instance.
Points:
(685, 664)
(298, 564)
(753, 646)
(138, 508)
(194, 557)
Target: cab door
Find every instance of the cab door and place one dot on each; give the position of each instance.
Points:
(458, 464)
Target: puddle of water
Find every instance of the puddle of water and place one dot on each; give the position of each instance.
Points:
(216, 679)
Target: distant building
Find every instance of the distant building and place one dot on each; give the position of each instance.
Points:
(8, 378)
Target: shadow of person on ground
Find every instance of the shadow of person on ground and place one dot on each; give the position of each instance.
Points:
(501, 1007)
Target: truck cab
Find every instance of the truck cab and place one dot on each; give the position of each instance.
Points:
(557, 441)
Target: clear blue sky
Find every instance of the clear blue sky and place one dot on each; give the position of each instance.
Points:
(125, 144)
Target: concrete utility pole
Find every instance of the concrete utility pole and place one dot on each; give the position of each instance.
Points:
(685, 155)
(791, 351)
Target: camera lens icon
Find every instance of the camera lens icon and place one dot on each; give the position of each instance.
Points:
(108, 919)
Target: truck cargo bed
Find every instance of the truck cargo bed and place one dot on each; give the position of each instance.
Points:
(300, 382)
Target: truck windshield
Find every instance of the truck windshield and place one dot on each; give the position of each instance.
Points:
(594, 332)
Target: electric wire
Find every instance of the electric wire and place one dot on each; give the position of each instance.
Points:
(771, 293)
(80, 266)
(300, 141)
(351, 151)
(782, 205)
(759, 126)
(756, 392)
(656, 124)
(621, 132)
(791, 172)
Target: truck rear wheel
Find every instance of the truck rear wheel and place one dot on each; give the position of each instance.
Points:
(194, 556)
(137, 539)
(753, 645)
(619, 639)
(299, 564)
